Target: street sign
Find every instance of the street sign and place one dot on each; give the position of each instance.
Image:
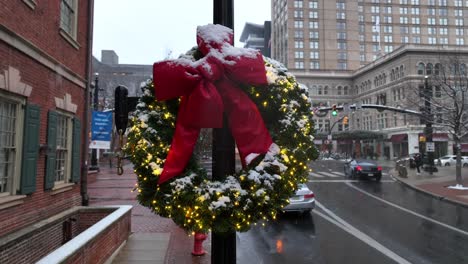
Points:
(101, 130)
(329, 137)
(430, 147)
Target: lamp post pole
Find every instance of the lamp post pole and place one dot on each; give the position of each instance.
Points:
(223, 246)
(94, 165)
(428, 129)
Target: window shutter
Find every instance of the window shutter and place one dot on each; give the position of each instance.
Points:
(76, 147)
(30, 149)
(51, 150)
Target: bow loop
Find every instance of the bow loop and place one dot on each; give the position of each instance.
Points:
(208, 88)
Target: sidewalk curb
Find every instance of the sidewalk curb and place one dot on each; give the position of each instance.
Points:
(439, 197)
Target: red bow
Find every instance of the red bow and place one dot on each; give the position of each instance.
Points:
(208, 88)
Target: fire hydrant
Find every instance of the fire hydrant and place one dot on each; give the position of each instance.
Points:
(198, 244)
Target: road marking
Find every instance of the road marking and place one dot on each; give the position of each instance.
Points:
(333, 218)
(329, 174)
(338, 173)
(382, 181)
(316, 175)
(409, 211)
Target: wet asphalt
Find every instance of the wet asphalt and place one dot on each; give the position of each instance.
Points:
(361, 222)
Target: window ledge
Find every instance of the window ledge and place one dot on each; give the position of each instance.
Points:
(11, 200)
(62, 187)
(30, 3)
(69, 39)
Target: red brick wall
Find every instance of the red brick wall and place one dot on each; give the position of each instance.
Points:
(41, 242)
(41, 27)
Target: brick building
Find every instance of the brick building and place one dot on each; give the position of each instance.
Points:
(45, 51)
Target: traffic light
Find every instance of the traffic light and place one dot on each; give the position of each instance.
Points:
(345, 120)
(334, 112)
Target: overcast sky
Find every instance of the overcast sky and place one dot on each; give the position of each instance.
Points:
(146, 31)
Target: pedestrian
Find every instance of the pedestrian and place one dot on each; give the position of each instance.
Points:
(418, 162)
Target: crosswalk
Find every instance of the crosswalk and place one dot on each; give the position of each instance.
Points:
(331, 174)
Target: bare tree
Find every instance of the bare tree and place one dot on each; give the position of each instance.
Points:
(448, 81)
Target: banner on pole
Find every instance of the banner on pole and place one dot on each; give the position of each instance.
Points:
(101, 130)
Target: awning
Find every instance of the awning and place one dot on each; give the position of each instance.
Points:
(438, 137)
(464, 147)
(344, 141)
(398, 138)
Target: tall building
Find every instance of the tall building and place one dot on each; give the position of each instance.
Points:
(345, 35)
(370, 52)
(257, 37)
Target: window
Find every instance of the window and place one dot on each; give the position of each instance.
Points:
(314, 65)
(429, 69)
(341, 45)
(459, 41)
(314, 55)
(63, 152)
(298, 14)
(459, 12)
(431, 40)
(421, 68)
(340, 15)
(298, 24)
(388, 38)
(342, 66)
(415, 20)
(458, 3)
(403, 10)
(404, 30)
(387, 19)
(443, 21)
(341, 55)
(404, 39)
(341, 35)
(388, 48)
(415, 2)
(341, 25)
(443, 31)
(415, 10)
(338, 90)
(388, 29)
(313, 14)
(459, 31)
(416, 30)
(345, 90)
(375, 9)
(68, 17)
(313, 5)
(298, 3)
(443, 41)
(313, 24)
(299, 44)
(314, 45)
(443, 2)
(417, 40)
(431, 21)
(387, 9)
(403, 20)
(443, 12)
(299, 34)
(299, 54)
(314, 35)
(11, 115)
(299, 64)
(375, 38)
(431, 11)
(459, 22)
(431, 30)
(340, 5)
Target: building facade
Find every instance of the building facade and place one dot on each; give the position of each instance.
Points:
(346, 35)
(257, 37)
(369, 52)
(44, 66)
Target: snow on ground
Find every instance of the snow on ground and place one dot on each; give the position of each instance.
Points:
(458, 187)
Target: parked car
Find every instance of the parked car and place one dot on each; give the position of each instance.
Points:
(362, 169)
(302, 201)
(451, 160)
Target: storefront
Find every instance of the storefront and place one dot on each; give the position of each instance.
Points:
(440, 143)
(399, 145)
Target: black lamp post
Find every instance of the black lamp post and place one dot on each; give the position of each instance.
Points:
(428, 129)
(94, 165)
(223, 246)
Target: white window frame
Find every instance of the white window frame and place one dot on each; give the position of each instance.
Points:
(69, 17)
(67, 160)
(15, 175)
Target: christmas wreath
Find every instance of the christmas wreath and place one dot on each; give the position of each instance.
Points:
(263, 104)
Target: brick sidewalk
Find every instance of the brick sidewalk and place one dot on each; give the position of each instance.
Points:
(112, 189)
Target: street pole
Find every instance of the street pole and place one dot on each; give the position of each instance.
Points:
(223, 245)
(94, 165)
(428, 129)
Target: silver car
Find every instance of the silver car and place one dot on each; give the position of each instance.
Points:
(451, 160)
(302, 201)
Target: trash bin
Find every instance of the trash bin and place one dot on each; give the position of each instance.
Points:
(401, 168)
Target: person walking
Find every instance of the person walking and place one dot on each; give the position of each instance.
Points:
(418, 162)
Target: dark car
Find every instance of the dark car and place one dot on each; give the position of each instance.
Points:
(362, 169)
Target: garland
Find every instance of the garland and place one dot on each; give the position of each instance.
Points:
(254, 194)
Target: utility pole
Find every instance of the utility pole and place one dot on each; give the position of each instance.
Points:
(428, 129)
(223, 245)
(94, 165)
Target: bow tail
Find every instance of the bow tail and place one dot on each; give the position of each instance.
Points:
(183, 142)
(245, 122)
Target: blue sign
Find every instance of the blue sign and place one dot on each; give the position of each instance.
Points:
(101, 130)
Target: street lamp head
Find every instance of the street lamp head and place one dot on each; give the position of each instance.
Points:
(426, 77)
